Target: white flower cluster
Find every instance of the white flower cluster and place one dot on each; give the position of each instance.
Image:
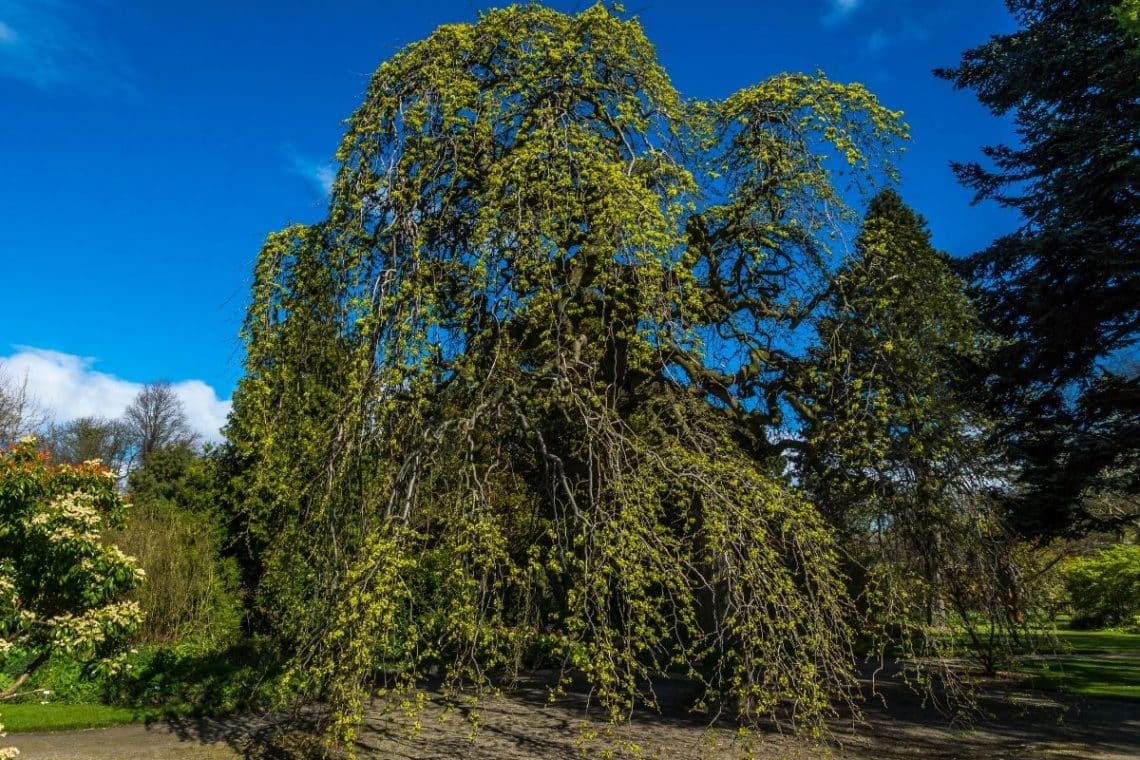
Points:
(86, 631)
(73, 517)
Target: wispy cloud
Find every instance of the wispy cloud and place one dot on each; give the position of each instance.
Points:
(56, 43)
(877, 42)
(319, 174)
(69, 387)
(839, 10)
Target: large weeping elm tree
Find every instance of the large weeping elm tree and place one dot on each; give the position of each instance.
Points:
(517, 400)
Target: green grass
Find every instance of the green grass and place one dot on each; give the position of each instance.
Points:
(1114, 678)
(25, 718)
(1076, 668)
(1102, 663)
(1098, 642)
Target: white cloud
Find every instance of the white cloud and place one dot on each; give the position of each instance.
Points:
(319, 174)
(70, 387)
(51, 43)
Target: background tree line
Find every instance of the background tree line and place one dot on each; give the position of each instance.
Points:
(173, 526)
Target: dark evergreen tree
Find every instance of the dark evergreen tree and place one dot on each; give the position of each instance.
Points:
(887, 422)
(1064, 290)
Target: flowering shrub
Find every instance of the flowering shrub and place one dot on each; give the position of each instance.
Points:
(62, 588)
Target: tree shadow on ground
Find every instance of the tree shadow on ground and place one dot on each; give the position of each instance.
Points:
(1007, 720)
(1010, 722)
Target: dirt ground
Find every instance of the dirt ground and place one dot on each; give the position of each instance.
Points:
(1013, 724)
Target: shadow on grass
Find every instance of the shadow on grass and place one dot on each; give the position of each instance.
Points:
(184, 682)
(1098, 642)
(1109, 676)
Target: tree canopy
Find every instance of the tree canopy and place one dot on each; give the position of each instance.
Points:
(516, 396)
(154, 420)
(1064, 290)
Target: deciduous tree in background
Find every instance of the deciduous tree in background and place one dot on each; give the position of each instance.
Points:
(156, 419)
(20, 414)
(91, 438)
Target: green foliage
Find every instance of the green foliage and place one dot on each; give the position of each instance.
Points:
(1105, 587)
(1128, 16)
(888, 424)
(892, 450)
(182, 680)
(193, 593)
(1064, 290)
(64, 679)
(62, 588)
(488, 409)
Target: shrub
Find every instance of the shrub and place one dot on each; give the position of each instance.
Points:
(184, 679)
(193, 594)
(62, 585)
(1105, 587)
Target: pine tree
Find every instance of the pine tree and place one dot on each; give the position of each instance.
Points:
(1064, 290)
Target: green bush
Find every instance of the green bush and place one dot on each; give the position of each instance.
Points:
(63, 587)
(191, 680)
(65, 679)
(1105, 587)
(191, 593)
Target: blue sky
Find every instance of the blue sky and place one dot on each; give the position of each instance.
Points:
(146, 149)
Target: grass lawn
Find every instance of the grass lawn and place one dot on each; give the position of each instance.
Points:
(1115, 678)
(1098, 642)
(1077, 668)
(24, 718)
